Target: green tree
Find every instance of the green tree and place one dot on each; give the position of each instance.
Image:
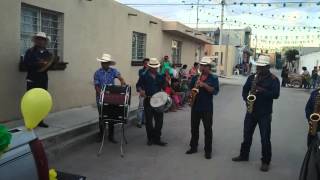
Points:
(291, 56)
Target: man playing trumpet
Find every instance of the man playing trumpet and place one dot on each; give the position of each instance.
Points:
(37, 61)
(259, 92)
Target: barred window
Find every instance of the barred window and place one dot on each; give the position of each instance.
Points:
(176, 52)
(35, 19)
(138, 46)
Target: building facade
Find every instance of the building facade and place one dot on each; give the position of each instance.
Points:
(80, 31)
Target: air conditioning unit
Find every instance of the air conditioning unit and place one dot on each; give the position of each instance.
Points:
(174, 44)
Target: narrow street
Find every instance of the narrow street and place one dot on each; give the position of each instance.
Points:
(142, 162)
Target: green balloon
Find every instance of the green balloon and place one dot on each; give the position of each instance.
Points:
(5, 138)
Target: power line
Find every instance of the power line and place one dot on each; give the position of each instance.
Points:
(227, 4)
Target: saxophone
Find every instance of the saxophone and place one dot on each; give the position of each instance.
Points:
(194, 92)
(251, 98)
(315, 116)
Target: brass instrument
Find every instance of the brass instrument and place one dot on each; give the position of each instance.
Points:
(315, 116)
(194, 91)
(251, 98)
(49, 61)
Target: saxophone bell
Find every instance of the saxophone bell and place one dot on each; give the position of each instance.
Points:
(251, 98)
(315, 117)
(313, 124)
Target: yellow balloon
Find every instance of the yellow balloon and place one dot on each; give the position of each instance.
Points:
(35, 106)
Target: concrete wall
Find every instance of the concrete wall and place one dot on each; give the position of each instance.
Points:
(90, 29)
(229, 59)
(188, 53)
(309, 61)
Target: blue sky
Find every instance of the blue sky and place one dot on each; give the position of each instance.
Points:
(277, 16)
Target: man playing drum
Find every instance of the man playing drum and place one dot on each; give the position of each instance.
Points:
(150, 83)
(105, 76)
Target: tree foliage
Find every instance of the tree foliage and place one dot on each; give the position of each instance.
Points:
(291, 55)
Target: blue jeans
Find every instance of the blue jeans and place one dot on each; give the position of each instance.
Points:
(314, 83)
(140, 116)
(250, 124)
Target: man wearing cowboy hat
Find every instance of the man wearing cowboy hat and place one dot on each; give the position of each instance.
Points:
(267, 88)
(149, 84)
(35, 59)
(202, 108)
(105, 76)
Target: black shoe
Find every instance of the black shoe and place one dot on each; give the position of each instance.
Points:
(264, 167)
(207, 155)
(149, 143)
(192, 151)
(113, 141)
(239, 159)
(42, 124)
(139, 126)
(160, 143)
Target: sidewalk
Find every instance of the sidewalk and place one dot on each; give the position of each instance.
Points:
(69, 120)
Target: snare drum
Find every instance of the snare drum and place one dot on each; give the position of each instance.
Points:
(161, 102)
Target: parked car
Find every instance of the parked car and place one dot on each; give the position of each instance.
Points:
(295, 80)
(25, 158)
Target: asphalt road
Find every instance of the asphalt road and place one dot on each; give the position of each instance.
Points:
(142, 162)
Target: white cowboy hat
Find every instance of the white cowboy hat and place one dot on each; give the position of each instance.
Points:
(263, 60)
(206, 60)
(41, 35)
(106, 58)
(154, 63)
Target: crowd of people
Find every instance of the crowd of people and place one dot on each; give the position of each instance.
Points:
(308, 80)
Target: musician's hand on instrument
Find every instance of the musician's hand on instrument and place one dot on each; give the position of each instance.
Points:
(202, 84)
(142, 93)
(260, 89)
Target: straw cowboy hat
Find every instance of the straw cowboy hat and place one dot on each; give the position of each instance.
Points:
(263, 60)
(41, 35)
(206, 60)
(154, 63)
(106, 58)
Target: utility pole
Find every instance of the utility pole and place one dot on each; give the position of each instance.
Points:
(221, 22)
(255, 50)
(197, 15)
(221, 29)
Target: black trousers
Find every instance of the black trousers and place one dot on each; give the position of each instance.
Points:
(37, 84)
(250, 124)
(102, 125)
(207, 121)
(153, 131)
(311, 138)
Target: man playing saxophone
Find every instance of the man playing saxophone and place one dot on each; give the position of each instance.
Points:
(259, 92)
(313, 115)
(204, 86)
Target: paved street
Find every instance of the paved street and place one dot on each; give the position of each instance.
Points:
(142, 162)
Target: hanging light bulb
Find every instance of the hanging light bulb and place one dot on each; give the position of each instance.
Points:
(284, 4)
(300, 4)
